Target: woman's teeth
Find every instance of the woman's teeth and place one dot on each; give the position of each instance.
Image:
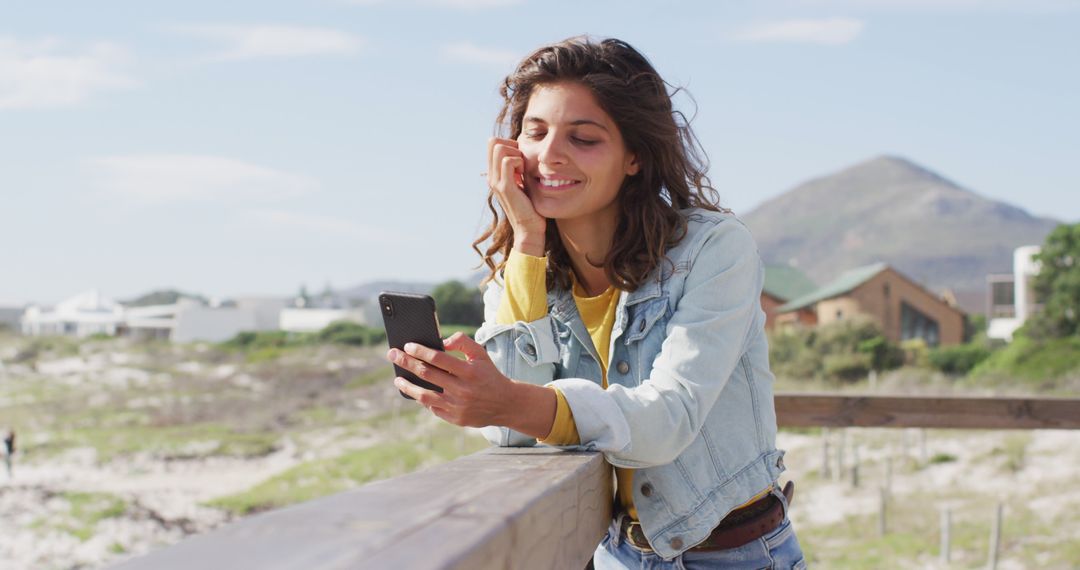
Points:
(556, 183)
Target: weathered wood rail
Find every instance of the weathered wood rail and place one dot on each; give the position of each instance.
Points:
(528, 507)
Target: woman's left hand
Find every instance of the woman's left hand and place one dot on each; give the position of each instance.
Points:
(475, 393)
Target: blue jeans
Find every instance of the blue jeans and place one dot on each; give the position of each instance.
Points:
(779, 549)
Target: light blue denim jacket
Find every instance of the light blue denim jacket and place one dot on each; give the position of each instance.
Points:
(689, 403)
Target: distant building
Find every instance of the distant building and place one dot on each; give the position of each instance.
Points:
(902, 308)
(189, 320)
(85, 314)
(1010, 299)
(785, 283)
(313, 313)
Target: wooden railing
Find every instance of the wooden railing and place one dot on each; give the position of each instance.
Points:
(527, 507)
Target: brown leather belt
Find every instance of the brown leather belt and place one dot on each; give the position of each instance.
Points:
(738, 528)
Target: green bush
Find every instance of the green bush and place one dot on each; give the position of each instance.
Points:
(957, 359)
(1033, 359)
(845, 351)
(350, 333)
(846, 367)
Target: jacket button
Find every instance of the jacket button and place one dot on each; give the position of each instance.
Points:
(622, 367)
(676, 543)
(530, 350)
(646, 490)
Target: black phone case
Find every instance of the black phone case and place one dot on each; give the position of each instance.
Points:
(408, 317)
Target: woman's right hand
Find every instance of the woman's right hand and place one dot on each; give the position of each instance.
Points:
(506, 171)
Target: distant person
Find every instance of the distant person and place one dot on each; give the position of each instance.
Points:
(9, 451)
(628, 314)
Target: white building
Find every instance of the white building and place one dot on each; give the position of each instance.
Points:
(82, 315)
(188, 320)
(1005, 318)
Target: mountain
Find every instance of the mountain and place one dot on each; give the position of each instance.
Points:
(162, 297)
(893, 210)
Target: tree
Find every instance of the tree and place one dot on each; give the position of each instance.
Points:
(1057, 285)
(459, 304)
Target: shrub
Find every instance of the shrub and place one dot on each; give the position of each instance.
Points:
(1033, 359)
(957, 359)
(915, 351)
(350, 333)
(847, 367)
(845, 350)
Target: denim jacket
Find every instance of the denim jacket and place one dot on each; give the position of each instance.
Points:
(689, 402)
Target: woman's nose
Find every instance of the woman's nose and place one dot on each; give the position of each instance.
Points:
(551, 151)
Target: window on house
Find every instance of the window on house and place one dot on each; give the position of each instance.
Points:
(915, 324)
(839, 314)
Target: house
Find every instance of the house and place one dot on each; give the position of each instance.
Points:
(902, 308)
(313, 313)
(784, 283)
(1010, 298)
(85, 314)
(189, 320)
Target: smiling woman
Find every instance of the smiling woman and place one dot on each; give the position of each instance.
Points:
(622, 315)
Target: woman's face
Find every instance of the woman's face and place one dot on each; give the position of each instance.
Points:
(575, 158)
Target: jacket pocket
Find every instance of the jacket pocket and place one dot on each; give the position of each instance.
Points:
(645, 318)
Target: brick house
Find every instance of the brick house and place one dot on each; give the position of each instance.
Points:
(902, 308)
(784, 283)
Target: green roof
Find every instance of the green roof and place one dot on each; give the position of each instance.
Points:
(849, 280)
(786, 282)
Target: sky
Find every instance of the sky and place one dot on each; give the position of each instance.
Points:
(240, 148)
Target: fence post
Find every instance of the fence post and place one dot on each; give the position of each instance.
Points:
(840, 455)
(946, 524)
(854, 464)
(995, 538)
(824, 453)
(888, 473)
(882, 503)
(922, 446)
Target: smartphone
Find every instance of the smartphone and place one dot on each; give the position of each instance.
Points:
(409, 317)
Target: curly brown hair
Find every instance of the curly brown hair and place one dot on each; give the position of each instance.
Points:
(673, 165)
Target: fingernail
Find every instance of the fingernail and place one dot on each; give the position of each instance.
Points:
(410, 347)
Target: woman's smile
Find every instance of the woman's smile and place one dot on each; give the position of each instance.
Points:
(555, 183)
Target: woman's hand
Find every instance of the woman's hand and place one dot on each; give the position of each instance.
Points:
(506, 178)
(475, 393)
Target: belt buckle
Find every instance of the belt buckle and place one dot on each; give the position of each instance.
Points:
(630, 537)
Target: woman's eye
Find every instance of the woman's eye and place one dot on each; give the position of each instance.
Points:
(584, 142)
(534, 135)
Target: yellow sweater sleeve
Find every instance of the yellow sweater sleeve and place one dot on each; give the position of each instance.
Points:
(524, 298)
(564, 430)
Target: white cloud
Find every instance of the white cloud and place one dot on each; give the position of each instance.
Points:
(260, 41)
(49, 73)
(166, 178)
(315, 224)
(468, 52)
(830, 31)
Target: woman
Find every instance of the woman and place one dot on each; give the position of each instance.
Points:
(627, 319)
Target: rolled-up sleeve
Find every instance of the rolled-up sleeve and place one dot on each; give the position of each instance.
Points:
(525, 351)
